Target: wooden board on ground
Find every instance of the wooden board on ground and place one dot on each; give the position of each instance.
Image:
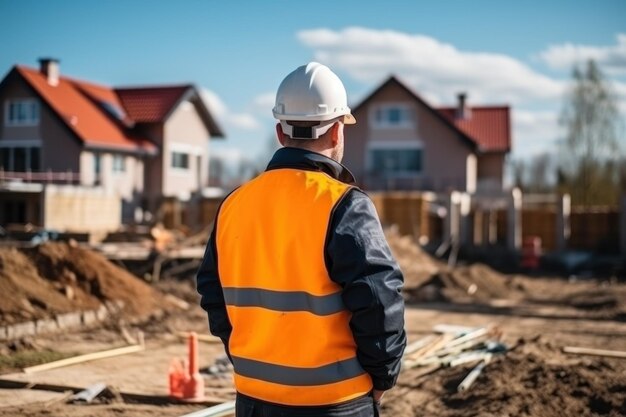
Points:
(144, 372)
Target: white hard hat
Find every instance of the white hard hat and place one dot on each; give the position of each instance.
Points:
(311, 93)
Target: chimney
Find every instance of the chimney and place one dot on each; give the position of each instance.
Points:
(462, 111)
(50, 68)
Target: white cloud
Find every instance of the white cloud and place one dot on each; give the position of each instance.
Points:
(534, 132)
(438, 71)
(225, 116)
(265, 102)
(565, 56)
(229, 154)
(434, 68)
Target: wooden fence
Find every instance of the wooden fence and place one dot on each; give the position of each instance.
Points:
(595, 229)
(423, 216)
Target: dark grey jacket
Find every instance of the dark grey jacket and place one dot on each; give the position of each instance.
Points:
(357, 258)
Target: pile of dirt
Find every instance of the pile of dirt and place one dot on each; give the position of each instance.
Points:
(417, 266)
(428, 279)
(534, 379)
(57, 278)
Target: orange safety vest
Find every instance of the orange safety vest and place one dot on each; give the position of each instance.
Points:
(291, 341)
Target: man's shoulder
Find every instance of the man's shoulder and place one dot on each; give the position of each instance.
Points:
(355, 195)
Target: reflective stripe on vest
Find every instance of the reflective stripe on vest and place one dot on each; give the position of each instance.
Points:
(291, 341)
(321, 305)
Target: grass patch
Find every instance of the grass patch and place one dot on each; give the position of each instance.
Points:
(27, 358)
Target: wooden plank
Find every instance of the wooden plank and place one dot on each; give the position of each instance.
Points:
(442, 341)
(418, 344)
(85, 358)
(595, 352)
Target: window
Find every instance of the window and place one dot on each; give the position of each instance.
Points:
(22, 113)
(180, 160)
(5, 159)
(119, 163)
(35, 159)
(20, 159)
(96, 163)
(392, 116)
(396, 161)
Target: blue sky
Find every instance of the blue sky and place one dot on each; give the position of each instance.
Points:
(518, 53)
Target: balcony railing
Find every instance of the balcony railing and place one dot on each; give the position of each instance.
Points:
(381, 182)
(47, 177)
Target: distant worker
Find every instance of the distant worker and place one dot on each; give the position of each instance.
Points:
(298, 279)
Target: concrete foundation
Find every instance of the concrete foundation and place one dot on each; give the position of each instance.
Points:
(59, 323)
(46, 326)
(21, 330)
(85, 209)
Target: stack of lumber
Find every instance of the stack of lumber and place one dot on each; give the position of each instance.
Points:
(452, 346)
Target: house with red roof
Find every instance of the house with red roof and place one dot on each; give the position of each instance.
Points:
(144, 144)
(403, 143)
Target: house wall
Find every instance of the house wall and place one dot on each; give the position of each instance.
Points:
(60, 150)
(184, 131)
(126, 183)
(444, 154)
(491, 171)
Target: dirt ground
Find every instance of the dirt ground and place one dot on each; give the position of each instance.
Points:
(538, 316)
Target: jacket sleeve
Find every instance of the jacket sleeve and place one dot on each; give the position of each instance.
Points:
(359, 259)
(212, 295)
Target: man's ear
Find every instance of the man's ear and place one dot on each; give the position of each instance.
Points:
(334, 134)
(280, 134)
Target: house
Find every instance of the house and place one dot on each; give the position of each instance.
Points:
(143, 144)
(401, 142)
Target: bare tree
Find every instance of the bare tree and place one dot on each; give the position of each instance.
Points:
(539, 172)
(519, 171)
(591, 119)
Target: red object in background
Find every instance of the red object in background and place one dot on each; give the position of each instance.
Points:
(185, 381)
(531, 252)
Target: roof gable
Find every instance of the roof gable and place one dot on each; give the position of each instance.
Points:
(150, 104)
(487, 131)
(156, 104)
(104, 117)
(83, 117)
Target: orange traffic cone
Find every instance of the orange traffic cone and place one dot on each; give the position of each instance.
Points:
(185, 381)
(177, 376)
(194, 384)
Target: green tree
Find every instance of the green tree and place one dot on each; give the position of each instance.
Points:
(591, 119)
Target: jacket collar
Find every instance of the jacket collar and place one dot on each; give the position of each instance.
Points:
(309, 161)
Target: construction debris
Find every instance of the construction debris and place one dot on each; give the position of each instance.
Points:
(88, 394)
(471, 377)
(449, 370)
(455, 348)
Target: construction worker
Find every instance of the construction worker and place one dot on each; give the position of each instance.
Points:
(298, 279)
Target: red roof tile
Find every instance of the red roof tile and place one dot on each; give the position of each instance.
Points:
(150, 104)
(488, 126)
(78, 104)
